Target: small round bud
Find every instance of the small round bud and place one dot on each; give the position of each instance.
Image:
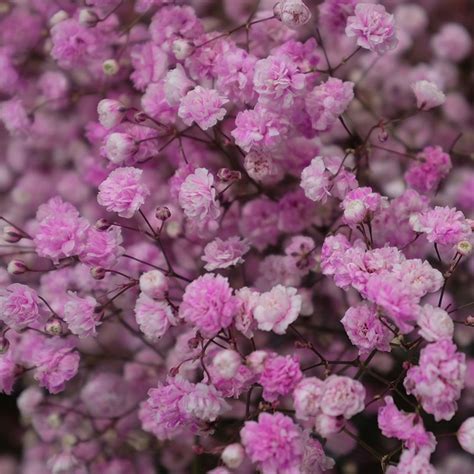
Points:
(154, 284)
(162, 213)
(233, 455)
(17, 267)
(181, 49)
(110, 67)
(11, 234)
(193, 343)
(227, 176)
(464, 248)
(111, 112)
(88, 17)
(292, 13)
(140, 117)
(383, 136)
(470, 320)
(58, 17)
(102, 224)
(98, 273)
(54, 327)
(227, 363)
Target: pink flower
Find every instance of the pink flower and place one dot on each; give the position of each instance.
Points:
(307, 397)
(452, 42)
(154, 284)
(258, 127)
(465, 435)
(261, 167)
(153, 317)
(360, 203)
(208, 304)
(224, 253)
(203, 402)
(426, 174)
(365, 329)
(14, 117)
(314, 458)
(279, 377)
(277, 309)
(342, 396)
(292, 13)
(120, 147)
(315, 180)
(60, 232)
(327, 101)
(56, 363)
(428, 95)
(202, 106)
(176, 85)
(435, 323)
(102, 248)
(122, 192)
(161, 413)
(82, 315)
(442, 225)
(407, 427)
(413, 461)
(373, 27)
(197, 196)
(274, 443)
(301, 251)
(227, 363)
(277, 79)
(233, 455)
(111, 112)
(438, 379)
(19, 306)
(244, 319)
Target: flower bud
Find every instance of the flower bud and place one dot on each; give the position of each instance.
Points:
(54, 327)
(162, 213)
(102, 224)
(233, 455)
(227, 363)
(111, 112)
(110, 67)
(98, 273)
(292, 13)
(227, 176)
(11, 234)
(17, 267)
(88, 17)
(181, 49)
(140, 117)
(383, 136)
(464, 248)
(154, 284)
(120, 147)
(465, 435)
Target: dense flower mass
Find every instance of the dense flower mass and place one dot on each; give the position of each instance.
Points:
(236, 236)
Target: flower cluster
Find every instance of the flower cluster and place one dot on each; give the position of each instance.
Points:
(236, 236)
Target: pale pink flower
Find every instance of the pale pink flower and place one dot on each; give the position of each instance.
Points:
(428, 95)
(19, 306)
(244, 319)
(277, 309)
(342, 396)
(359, 204)
(435, 323)
(274, 443)
(452, 42)
(373, 28)
(292, 13)
(203, 402)
(224, 253)
(233, 455)
(198, 197)
(154, 284)
(111, 112)
(123, 192)
(82, 315)
(102, 248)
(413, 461)
(307, 397)
(465, 435)
(202, 106)
(153, 317)
(316, 180)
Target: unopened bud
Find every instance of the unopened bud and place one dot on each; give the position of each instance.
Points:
(383, 136)
(102, 224)
(162, 213)
(193, 343)
(17, 267)
(140, 117)
(110, 67)
(98, 273)
(292, 13)
(88, 17)
(54, 327)
(11, 234)
(233, 455)
(227, 175)
(464, 247)
(470, 320)
(58, 17)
